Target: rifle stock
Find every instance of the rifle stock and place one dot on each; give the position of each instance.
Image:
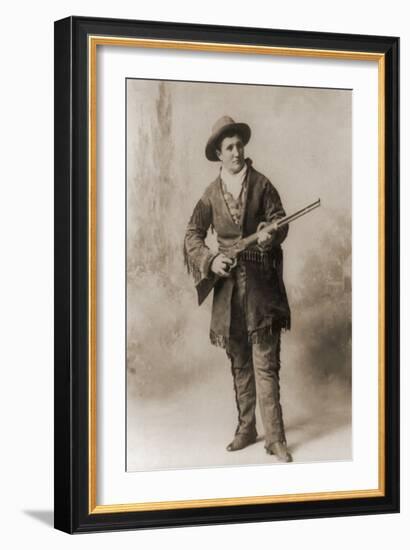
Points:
(204, 287)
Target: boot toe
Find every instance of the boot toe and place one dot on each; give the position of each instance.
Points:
(280, 450)
(241, 441)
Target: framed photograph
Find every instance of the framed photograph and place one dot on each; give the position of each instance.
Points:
(226, 274)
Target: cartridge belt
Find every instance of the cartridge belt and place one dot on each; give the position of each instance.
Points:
(255, 256)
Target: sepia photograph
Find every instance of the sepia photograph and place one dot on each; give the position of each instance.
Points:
(238, 275)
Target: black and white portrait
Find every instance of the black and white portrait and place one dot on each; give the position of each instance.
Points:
(260, 371)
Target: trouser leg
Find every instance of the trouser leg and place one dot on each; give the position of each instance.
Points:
(240, 355)
(266, 362)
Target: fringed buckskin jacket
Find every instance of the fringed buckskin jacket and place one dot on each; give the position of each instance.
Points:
(266, 307)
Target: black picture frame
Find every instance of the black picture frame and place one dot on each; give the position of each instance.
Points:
(72, 276)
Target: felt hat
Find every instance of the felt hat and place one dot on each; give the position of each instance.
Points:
(223, 125)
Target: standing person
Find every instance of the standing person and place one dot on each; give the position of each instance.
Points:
(250, 306)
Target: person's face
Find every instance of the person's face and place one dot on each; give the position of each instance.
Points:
(232, 154)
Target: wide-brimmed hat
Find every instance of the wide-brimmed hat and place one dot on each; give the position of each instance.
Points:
(223, 125)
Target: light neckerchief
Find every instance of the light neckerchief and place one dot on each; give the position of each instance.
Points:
(235, 205)
(234, 182)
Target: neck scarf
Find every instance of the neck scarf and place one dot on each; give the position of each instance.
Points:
(235, 195)
(234, 182)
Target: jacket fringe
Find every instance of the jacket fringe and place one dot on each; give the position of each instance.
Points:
(264, 334)
(256, 337)
(218, 340)
(199, 219)
(191, 268)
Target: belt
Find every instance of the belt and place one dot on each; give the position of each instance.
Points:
(257, 256)
(267, 259)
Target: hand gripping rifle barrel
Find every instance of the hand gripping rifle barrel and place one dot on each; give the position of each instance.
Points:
(205, 286)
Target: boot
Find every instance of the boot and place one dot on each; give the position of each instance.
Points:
(279, 449)
(245, 397)
(266, 361)
(240, 441)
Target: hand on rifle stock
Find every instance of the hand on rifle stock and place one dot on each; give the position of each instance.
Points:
(220, 265)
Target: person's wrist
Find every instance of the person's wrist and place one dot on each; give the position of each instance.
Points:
(212, 265)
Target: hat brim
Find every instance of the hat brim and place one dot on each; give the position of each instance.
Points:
(240, 127)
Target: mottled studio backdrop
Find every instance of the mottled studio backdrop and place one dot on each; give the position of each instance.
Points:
(180, 400)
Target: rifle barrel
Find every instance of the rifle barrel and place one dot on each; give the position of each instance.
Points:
(247, 241)
(298, 214)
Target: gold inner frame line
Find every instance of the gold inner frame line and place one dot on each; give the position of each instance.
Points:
(93, 42)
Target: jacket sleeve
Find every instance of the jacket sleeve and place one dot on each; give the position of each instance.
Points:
(273, 210)
(198, 257)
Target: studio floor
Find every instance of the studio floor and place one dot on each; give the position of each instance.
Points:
(192, 428)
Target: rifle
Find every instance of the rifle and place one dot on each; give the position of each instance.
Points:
(205, 286)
